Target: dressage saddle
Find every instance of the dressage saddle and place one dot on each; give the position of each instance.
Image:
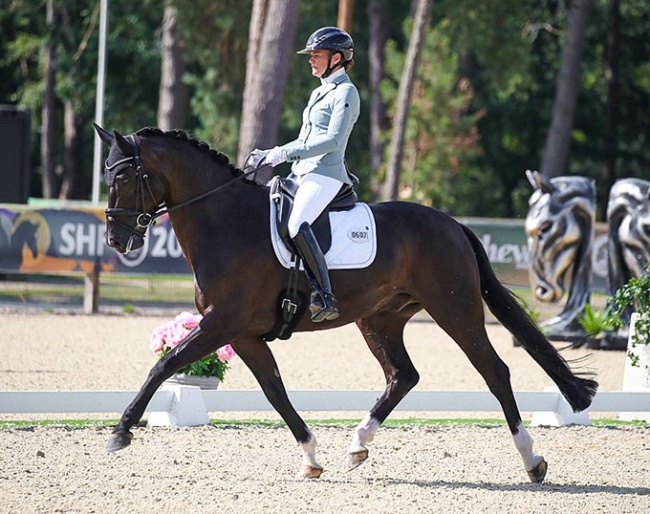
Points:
(283, 192)
(291, 303)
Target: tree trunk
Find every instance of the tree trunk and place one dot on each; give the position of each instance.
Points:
(393, 172)
(172, 100)
(272, 32)
(48, 111)
(611, 58)
(256, 28)
(555, 161)
(378, 18)
(74, 186)
(346, 14)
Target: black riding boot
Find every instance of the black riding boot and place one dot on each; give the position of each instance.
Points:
(323, 304)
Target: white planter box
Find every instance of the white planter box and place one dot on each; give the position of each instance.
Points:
(636, 378)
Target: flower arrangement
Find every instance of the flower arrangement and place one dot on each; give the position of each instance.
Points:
(169, 335)
(633, 296)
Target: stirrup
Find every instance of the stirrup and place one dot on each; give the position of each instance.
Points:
(323, 307)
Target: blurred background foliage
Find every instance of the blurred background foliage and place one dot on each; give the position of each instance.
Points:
(481, 106)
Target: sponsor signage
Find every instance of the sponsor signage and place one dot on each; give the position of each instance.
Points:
(50, 240)
(73, 239)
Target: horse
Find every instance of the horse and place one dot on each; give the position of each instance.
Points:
(560, 229)
(425, 260)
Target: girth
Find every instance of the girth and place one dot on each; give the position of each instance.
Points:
(283, 192)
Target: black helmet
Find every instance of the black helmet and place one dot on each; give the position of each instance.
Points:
(330, 38)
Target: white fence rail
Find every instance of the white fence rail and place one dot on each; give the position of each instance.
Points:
(183, 405)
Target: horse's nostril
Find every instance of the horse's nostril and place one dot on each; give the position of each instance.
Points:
(115, 244)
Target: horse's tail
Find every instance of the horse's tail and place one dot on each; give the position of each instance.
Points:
(578, 390)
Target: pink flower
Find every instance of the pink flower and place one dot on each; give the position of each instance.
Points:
(175, 335)
(225, 353)
(156, 340)
(159, 336)
(172, 333)
(188, 320)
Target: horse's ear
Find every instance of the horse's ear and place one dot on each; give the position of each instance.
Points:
(104, 135)
(539, 181)
(122, 143)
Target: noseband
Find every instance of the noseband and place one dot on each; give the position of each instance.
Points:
(143, 218)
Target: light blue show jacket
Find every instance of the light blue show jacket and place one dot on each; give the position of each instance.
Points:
(327, 122)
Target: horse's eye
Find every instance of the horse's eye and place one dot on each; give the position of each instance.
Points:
(545, 227)
(123, 178)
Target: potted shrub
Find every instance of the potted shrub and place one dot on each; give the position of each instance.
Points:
(635, 295)
(596, 324)
(206, 373)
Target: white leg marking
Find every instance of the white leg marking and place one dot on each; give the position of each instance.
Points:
(364, 433)
(309, 452)
(524, 444)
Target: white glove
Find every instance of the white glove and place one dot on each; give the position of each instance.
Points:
(255, 157)
(276, 156)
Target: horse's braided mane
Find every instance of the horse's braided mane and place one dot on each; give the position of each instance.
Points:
(196, 143)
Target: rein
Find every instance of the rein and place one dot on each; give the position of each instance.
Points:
(143, 218)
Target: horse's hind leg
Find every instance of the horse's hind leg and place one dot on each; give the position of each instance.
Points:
(384, 335)
(258, 357)
(469, 333)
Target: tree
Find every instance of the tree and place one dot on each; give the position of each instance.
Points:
(442, 138)
(346, 14)
(378, 18)
(555, 159)
(611, 61)
(272, 32)
(393, 171)
(504, 88)
(172, 98)
(48, 109)
(74, 185)
(73, 74)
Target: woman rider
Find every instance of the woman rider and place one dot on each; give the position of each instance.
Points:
(318, 156)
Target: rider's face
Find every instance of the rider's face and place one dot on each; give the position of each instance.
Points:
(318, 61)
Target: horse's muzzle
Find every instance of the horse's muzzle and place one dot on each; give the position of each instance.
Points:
(124, 246)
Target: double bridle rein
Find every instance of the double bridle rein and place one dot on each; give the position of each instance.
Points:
(143, 218)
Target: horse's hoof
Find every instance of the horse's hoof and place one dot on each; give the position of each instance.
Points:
(309, 471)
(355, 459)
(118, 440)
(538, 473)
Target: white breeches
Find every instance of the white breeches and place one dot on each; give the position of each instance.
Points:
(314, 193)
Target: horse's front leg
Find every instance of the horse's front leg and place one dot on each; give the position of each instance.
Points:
(196, 345)
(384, 335)
(257, 355)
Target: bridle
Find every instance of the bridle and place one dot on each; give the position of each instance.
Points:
(143, 219)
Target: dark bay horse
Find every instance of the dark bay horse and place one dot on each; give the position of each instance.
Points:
(425, 260)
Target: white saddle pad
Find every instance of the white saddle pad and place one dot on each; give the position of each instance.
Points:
(354, 239)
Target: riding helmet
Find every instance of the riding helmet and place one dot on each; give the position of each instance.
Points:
(330, 38)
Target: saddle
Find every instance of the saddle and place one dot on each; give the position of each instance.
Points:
(291, 303)
(283, 192)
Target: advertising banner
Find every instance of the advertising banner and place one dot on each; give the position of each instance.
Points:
(50, 240)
